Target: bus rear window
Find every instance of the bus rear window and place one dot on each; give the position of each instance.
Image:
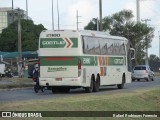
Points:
(140, 68)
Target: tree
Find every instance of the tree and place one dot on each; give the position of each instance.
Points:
(154, 62)
(92, 25)
(154, 58)
(123, 24)
(29, 36)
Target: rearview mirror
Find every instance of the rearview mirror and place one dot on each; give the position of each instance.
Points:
(132, 53)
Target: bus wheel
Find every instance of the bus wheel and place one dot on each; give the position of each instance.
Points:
(96, 84)
(120, 86)
(90, 88)
(36, 88)
(42, 89)
(65, 90)
(54, 90)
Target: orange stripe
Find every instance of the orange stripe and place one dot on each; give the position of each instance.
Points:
(101, 71)
(106, 61)
(100, 60)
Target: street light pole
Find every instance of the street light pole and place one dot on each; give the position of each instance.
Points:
(100, 15)
(138, 10)
(52, 17)
(12, 12)
(58, 13)
(19, 42)
(146, 60)
(27, 8)
(159, 42)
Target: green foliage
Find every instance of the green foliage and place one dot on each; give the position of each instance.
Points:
(154, 62)
(29, 36)
(123, 24)
(92, 25)
(154, 58)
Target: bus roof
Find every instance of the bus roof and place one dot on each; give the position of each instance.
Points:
(84, 32)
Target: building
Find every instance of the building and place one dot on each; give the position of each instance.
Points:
(8, 16)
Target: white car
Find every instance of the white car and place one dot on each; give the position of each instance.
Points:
(142, 72)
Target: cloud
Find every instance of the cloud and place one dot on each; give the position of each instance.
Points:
(146, 8)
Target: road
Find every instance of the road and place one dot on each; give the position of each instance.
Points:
(29, 94)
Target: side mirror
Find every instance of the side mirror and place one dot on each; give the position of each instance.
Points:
(132, 53)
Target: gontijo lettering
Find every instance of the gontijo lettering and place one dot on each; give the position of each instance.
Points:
(53, 42)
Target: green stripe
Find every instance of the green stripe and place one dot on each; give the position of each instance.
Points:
(44, 62)
(105, 71)
(116, 61)
(103, 61)
(75, 42)
(85, 61)
(89, 60)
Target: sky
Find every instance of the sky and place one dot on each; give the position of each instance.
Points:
(41, 13)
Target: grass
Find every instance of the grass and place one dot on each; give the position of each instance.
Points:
(136, 100)
(146, 99)
(9, 83)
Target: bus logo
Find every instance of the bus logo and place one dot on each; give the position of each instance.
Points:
(58, 43)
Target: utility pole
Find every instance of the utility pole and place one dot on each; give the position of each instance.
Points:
(12, 12)
(159, 42)
(138, 10)
(97, 24)
(58, 14)
(27, 8)
(100, 15)
(146, 60)
(19, 42)
(52, 17)
(78, 20)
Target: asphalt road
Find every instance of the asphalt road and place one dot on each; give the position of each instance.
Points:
(29, 94)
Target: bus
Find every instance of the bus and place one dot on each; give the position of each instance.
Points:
(71, 59)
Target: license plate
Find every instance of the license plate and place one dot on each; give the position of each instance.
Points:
(58, 79)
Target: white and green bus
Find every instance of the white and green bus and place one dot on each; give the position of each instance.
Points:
(71, 59)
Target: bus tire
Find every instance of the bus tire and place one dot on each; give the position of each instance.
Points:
(36, 88)
(121, 86)
(90, 88)
(42, 89)
(96, 84)
(64, 90)
(54, 90)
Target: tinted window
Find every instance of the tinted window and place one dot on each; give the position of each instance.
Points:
(140, 68)
(103, 46)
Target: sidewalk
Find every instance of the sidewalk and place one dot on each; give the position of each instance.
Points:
(15, 82)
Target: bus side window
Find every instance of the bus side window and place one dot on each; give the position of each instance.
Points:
(84, 45)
